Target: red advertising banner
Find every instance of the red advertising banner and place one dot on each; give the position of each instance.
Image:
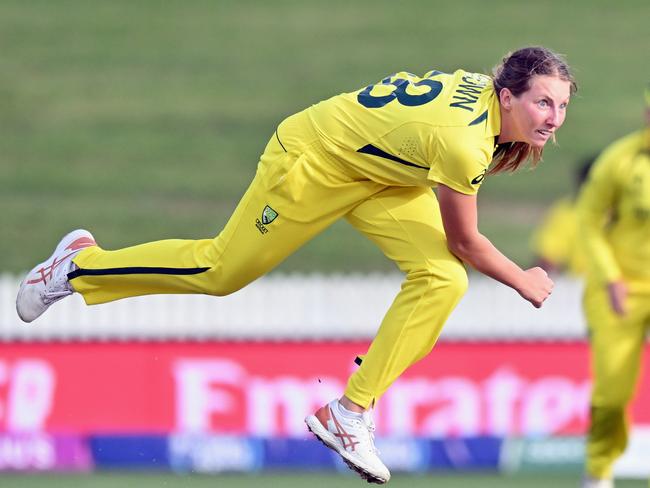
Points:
(266, 389)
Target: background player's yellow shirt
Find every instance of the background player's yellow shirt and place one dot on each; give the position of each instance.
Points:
(407, 130)
(614, 213)
(556, 239)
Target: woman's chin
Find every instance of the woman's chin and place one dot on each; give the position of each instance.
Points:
(538, 142)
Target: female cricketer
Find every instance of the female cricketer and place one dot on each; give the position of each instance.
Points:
(614, 216)
(372, 157)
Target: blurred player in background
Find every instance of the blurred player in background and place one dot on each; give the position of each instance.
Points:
(555, 242)
(370, 156)
(614, 214)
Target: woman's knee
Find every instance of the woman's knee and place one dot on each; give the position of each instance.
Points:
(221, 291)
(219, 283)
(458, 281)
(453, 278)
(225, 285)
(450, 279)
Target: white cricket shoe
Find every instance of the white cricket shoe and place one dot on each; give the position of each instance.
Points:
(48, 282)
(588, 482)
(352, 439)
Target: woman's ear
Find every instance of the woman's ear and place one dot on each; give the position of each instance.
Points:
(505, 98)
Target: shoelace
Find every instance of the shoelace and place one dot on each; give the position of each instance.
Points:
(58, 287)
(53, 296)
(370, 425)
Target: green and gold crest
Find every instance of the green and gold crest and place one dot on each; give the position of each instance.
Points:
(268, 215)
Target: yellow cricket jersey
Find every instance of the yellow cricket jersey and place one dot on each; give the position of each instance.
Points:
(614, 212)
(412, 131)
(556, 239)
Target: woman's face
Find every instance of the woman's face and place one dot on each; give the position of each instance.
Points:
(537, 113)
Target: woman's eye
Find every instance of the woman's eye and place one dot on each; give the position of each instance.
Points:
(542, 103)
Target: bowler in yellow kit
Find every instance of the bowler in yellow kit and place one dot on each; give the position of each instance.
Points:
(614, 214)
(370, 156)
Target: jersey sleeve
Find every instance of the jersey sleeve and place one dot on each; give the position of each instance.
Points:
(459, 164)
(595, 206)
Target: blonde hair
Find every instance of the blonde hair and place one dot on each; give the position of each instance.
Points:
(514, 73)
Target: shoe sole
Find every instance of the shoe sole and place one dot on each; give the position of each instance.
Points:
(63, 243)
(323, 435)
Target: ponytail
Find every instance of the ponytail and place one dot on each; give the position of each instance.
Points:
(510, 156)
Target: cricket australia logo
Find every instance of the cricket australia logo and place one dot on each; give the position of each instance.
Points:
(268, 216)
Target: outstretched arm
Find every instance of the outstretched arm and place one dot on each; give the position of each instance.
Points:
(460, 219)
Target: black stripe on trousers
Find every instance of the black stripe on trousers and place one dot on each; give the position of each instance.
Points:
(135, 270)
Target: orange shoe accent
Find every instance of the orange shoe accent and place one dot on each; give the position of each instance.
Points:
(81, 243)
(323, 415)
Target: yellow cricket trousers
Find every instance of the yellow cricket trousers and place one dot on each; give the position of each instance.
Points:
(300, 189)
(616, 354)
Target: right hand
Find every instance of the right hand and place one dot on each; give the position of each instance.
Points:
(537, 286)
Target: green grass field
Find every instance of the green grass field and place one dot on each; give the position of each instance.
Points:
(316, 480)
(144, 120)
